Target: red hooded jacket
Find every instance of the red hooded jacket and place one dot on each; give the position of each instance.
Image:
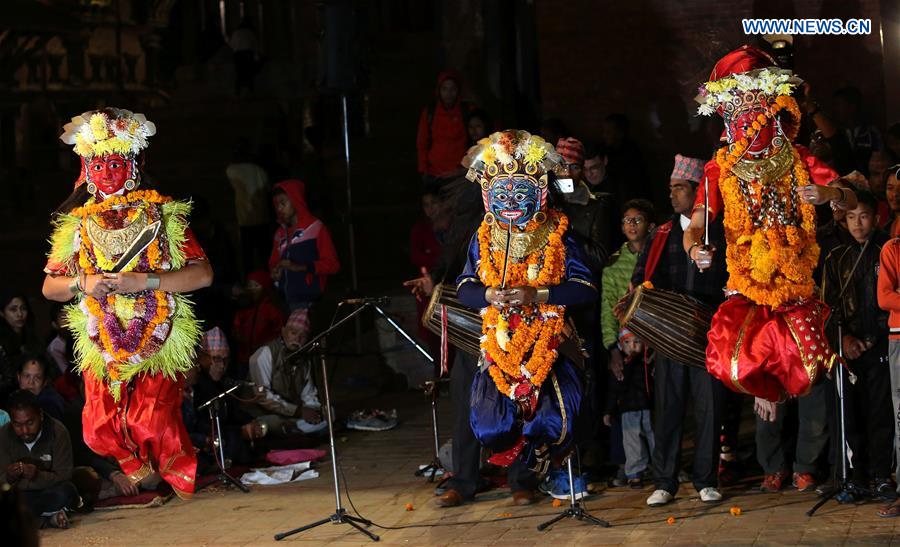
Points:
(307, 242)
(442, 146)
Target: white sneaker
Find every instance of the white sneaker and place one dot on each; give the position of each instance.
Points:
(659, 498)
(710, 494)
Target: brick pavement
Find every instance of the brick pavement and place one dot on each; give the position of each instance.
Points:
(379, 469)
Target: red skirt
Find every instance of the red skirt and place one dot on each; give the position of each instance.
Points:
(769, 353)
(144, 431)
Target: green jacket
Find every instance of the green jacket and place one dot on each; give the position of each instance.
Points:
(616, 276)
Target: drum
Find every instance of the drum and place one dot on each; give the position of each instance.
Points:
(671, 323)
(463, 324)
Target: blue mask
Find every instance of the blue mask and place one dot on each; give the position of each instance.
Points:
(513, 199)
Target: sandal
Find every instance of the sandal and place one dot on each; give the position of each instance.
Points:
(889, 511)
(57, 520)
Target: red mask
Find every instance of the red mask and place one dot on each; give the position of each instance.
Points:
(742, 124)
(109, 172)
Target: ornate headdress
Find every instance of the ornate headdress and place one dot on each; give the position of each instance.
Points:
(108, 131)
(745, 79)
(512, 152)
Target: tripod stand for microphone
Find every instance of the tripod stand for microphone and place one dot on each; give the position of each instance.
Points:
(575, 510)
(845, 487)
(340, 515)
(218, 441)
(431, 389)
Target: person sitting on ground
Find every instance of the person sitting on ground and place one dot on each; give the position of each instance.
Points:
(32, 376)
(290, 401)
(239, 430)
(257, 322)
(628, 402)
(36, 458)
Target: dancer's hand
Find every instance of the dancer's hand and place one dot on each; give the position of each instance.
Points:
(511, 298)
(126, 282)
(817, 195)
(853, 346)
(97, 286)
(702, 255)
(607, 420)
(767, 410)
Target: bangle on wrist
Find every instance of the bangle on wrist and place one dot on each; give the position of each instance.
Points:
(543, 295)
(152, 282)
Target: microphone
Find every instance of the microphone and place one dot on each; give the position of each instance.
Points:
(377, 300)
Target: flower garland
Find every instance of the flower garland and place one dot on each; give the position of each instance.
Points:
(92, 259)
(520, 344)
(92, 207)
(143, 315)
(549, 264)
(771, 81)
(771, 266)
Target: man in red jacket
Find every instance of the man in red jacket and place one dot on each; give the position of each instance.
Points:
(442, 139)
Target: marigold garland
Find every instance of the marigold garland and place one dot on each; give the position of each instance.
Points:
(772, 265)
(520, 368)
(137, 196)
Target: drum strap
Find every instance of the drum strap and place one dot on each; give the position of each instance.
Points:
(656, 249)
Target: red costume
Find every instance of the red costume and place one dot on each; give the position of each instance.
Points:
(768, 338)
(131, 346)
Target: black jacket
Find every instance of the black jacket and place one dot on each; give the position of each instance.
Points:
(635, 391)
(859, 306)
(676, 272)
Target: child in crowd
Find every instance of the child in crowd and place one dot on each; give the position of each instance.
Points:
(867, 406)
(629, 401)
(637, 223)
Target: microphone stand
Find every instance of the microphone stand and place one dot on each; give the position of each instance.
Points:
(431, 389)
(218, 441)
(845, 487)
(340, 515)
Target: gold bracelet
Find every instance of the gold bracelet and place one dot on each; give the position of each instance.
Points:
(543, 295)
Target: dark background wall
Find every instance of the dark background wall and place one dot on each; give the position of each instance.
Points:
(524, 60)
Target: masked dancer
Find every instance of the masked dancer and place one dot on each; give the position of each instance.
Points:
(123, 254)
(523, 272)
(767, 339)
